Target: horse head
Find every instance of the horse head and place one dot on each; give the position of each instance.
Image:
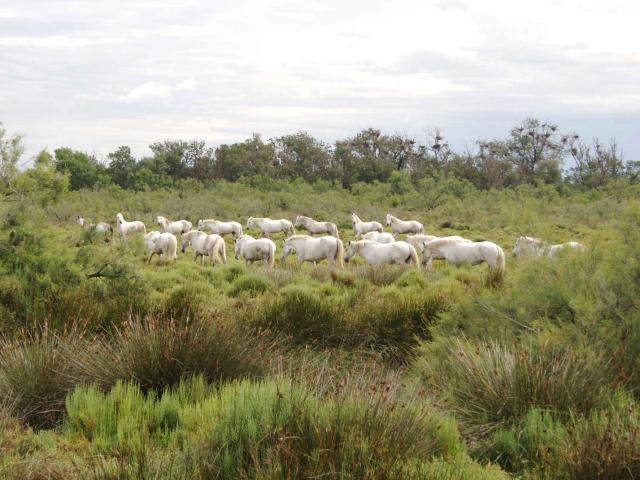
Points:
(349, 250)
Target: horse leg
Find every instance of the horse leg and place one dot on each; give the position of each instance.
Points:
(149, 260)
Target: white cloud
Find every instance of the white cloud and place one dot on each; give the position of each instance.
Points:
(155, 91)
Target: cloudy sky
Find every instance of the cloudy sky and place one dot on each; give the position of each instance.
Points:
(99, 74)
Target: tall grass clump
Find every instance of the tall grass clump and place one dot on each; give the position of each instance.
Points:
(604, 444)
(273, 429)
(250, 283)
(389, 323)
(35, 377)
(156, 353)
(489, 385)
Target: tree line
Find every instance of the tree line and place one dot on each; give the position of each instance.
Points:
(533, 152)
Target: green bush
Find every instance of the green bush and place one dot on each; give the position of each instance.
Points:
(490, 385)
(250, 283)
(389, 324)
(604, 444)
(35, 377)
(156, 353)
(276, 429)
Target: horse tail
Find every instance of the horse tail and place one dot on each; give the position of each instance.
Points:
(412, 259)
(271, 260)
(172, 248)
(222, 249)
(501, 265)
(339, 256)
(335, 232)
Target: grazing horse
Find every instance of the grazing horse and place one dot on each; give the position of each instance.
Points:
(458, 252)
(375, 253)
(204, 244)
(403, 226)
(313, 249)
(100, 227)
(532, 245)
(418, 240)
(268, 226)
(179, 226)
(360, 227)
(383, 237)
(162, 244)
(127, 228)
(221, 228)
(316, 227)
(250, 249)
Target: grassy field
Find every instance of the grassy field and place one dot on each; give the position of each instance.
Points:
(112, 368)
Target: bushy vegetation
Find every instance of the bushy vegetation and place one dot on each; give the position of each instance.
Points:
(114, 368)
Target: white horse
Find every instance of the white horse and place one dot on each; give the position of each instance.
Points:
(403, 226)
(316, 227)
(532, 245)
(313, 249)
(418, 240)
(127, 228)
(100, 227)
(459, 252)
(221, 228)
(360, 227)
(250, 249)
(163, 244)
(375, 253)
(268, 226)
(380, 237)
(204, 244)
(179, 226)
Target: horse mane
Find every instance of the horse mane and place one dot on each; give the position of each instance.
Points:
(297, 237)
(530, 239)
(441, 242)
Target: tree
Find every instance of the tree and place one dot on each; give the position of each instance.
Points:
(41, 183)
(370, 156)
(301, 155)
(594, 165)
(11, 149)
(494, 167)
(121, 166)
(199, 160)
(535, 149)
(246, 159)
(168, 157)
(83, 169)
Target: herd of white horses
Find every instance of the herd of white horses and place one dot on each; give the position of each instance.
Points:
(371, 242)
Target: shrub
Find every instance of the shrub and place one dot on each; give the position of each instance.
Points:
(35, 377)
(390, 324)
(156, 353)
(604, 444)
(490, 385)
(276, 429)
(250, 283)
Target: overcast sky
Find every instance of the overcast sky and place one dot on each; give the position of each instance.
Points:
(94, 75)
